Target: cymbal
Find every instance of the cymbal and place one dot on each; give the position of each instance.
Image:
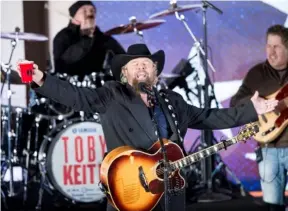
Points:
(128, 28)
(178, 8)
(169, 75)
(23, 36)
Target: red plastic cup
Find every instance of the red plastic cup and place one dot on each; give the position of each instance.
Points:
(26, 70)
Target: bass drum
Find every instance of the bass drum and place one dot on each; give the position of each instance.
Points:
(70, 158)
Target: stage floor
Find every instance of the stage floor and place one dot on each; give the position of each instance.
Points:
(240, 204)
(49, 202)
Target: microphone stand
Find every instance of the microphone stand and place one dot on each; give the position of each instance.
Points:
(182, 19)
(9, 134)
(207, 135)
(163, 149)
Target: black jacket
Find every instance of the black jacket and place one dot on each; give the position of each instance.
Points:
(125, 118)
(75, 54)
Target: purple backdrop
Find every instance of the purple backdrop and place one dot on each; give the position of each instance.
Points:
(236, 42)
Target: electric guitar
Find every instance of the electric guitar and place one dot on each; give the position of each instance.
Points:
(272, 124)
(133, 179)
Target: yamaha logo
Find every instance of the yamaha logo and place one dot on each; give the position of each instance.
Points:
(84, 130)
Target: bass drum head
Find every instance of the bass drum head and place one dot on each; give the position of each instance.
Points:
(73, 161)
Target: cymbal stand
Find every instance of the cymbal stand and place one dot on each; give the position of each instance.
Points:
(206, 135)
(18, 131)
(9, 111)
(133, 21)
(182, 19)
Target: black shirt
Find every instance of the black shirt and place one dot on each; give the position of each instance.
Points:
(80, 55)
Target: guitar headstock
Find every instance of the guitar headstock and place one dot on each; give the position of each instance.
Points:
(248, 131)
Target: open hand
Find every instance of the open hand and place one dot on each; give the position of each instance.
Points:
(263, 106)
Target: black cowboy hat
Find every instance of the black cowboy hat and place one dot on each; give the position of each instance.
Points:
(136, 51)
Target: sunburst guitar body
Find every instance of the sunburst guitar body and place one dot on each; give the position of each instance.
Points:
(272, 124)
(133, 179)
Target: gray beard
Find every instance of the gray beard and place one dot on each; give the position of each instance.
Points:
(135, 84)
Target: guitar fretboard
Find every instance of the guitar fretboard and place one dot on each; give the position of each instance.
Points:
(202, 154)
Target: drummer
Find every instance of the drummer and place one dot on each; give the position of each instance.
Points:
(82, 48)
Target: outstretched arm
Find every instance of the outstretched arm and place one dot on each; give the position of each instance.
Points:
(221, 118)
(230, 117)
(63, 92)
(212, 118)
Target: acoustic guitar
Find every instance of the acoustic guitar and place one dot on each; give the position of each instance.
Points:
(133, 179)
(272, 124)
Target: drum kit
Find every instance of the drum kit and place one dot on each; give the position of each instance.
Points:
(51, 144)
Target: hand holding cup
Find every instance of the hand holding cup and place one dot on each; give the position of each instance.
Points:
(28, 71)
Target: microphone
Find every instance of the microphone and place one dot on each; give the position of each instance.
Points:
(143, 88)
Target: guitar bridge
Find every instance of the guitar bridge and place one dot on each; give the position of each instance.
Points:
(143, 179)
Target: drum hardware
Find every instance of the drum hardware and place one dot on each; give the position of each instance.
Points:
(176, 9)
(133, 22)
(53, 148)
(206, 136)
(17, 133)
(58, 115)
(34, 158)
(8, 160)
(23, 36)
(4, 199)
(173, 8)
(98, 79)
(222, 166)
(11, 159)
(20, 169)
(26, 154)
(93, 81)
(135, 26)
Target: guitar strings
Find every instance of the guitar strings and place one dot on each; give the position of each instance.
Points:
(241, 131)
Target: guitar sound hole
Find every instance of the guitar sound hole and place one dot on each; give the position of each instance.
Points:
(160, 171)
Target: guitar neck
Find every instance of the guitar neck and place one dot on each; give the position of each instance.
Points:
(193, 158)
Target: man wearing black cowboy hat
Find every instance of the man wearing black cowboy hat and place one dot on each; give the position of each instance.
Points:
(81, 48)
(128, 114)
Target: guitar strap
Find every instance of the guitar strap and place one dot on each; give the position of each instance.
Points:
(171, 117)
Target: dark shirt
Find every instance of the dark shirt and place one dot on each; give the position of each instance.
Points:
(161, 122)
(266, 80)
(80, 55)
